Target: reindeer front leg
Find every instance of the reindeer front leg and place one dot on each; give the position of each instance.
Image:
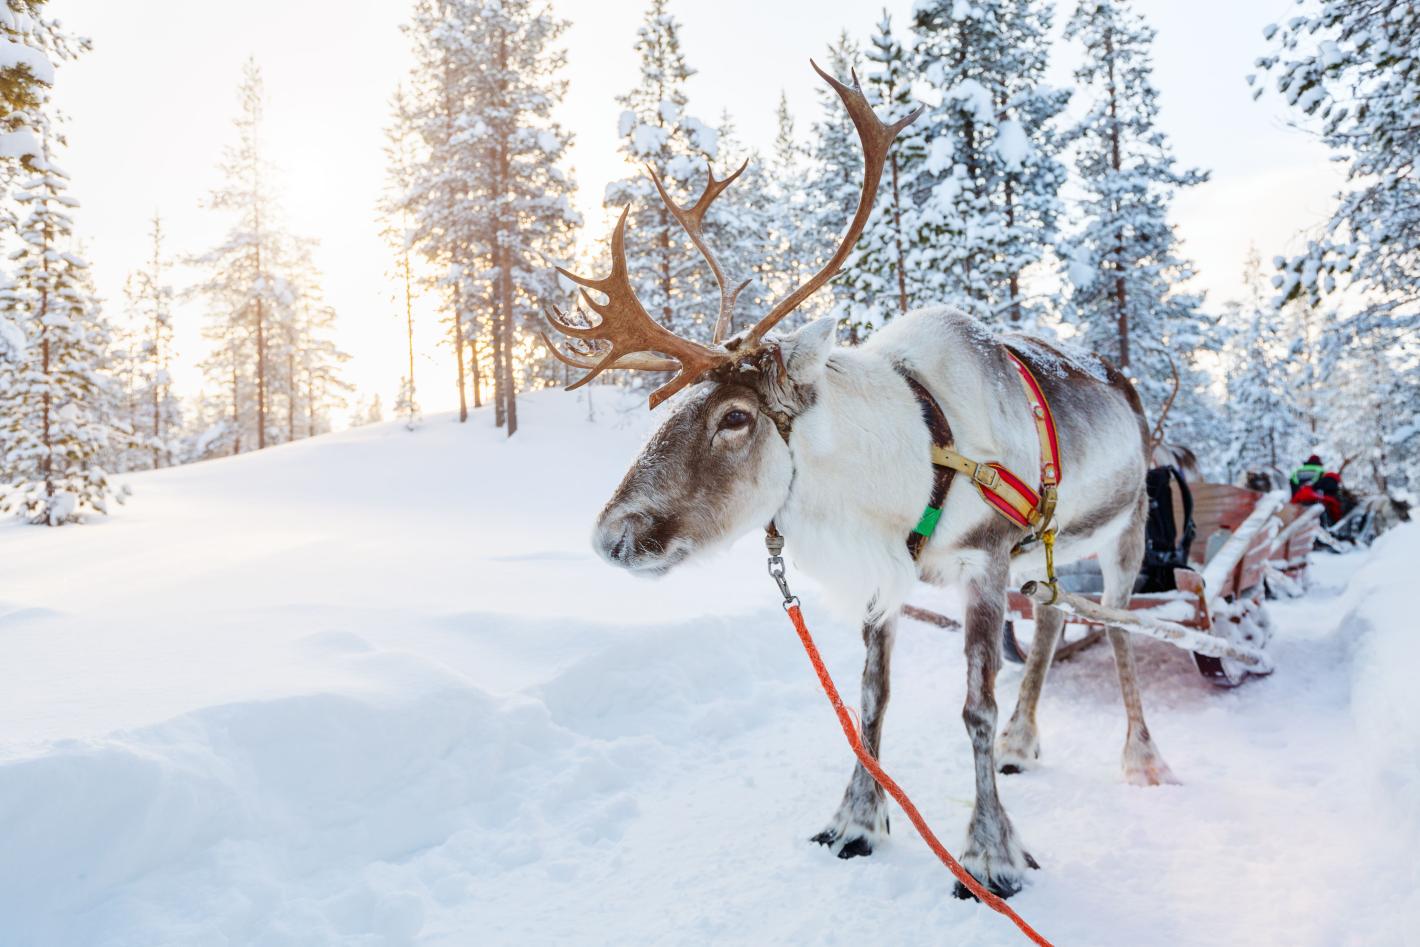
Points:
(992, 852)
(862, 816)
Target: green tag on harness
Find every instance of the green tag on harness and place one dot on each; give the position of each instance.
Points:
(928, 523)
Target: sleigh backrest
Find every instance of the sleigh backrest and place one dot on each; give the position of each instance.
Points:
(1218, 510)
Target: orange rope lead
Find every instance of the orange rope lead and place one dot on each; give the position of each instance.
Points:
(845, 720)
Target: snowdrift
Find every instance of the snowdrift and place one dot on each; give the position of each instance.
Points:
(375, 689)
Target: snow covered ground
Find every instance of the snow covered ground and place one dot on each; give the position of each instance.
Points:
(375, 689)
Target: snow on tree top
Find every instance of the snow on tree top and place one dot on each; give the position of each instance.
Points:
(19, 143)
(974, 99)
(648, 139)
(14, 55)
(1011, 144)
(706, 138)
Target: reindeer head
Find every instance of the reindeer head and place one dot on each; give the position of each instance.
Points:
(720, 464)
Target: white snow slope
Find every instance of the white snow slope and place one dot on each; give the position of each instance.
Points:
(374, 689)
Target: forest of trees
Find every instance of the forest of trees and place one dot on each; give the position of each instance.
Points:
(86, 393)
(1036, 208)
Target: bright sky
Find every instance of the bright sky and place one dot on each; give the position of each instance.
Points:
(151, 108)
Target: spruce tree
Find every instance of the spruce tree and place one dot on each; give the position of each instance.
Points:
(657, 130)
(881, 279)
(523, 182)
(402, 159)
(447, 225)
(1352, 71)
(1124, 266)
(788, 252)
(55, 402)
(1265, 428)
(265, 314)
(987, 188)
(34, 41)
(835, 180)
(155, 416)
(739, 230)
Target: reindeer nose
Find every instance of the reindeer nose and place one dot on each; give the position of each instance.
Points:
(613, 540)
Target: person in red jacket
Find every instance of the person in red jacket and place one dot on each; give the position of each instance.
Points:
(1326, 490)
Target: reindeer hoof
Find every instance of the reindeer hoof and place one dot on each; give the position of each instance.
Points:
(1003, 874)
(1001, 887)
(1017, 750)
(855, 847)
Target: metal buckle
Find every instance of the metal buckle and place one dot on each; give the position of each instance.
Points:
(985, 476)
(775, 544)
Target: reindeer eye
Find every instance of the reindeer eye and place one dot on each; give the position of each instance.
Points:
(735, 419)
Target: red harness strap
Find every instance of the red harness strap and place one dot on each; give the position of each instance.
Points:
(1002, 490)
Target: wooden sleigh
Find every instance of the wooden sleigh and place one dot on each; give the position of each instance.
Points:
(1248, 546)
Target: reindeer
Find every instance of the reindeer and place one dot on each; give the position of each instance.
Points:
(834, 446)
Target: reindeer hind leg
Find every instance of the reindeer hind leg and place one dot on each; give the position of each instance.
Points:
(1143, 763)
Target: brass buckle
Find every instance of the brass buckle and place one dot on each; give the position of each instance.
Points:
(985, 476)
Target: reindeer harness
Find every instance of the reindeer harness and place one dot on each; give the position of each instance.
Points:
(1002, 490)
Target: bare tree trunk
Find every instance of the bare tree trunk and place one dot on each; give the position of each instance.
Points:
(260, 313)
(500, 404)
(458, 349)
(159, 362)
(409, 331)
(1121, 313)
(473, 357)
(1015, 280)
(897, 241)
(505, 292)
(48, 464)
(505, 265)
(290, 396)
(236, 407)
(260, 374)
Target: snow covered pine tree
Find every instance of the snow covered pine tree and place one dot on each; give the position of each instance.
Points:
(1353, 66)
(266, 317)
(153, 418)
(54, 401)
(656, 130)
(1124, 266)
(26, 76)
(988, 186)
(522, 182)
(1265, 428)
(881, 279)
(489, 196)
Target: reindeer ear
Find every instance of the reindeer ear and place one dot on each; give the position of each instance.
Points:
(806, 351)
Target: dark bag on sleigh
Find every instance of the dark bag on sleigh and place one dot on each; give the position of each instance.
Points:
(1166, 546)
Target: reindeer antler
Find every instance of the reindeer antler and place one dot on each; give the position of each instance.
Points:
(627, 336)
(690, 219)
(629, 331)
(876, 138)
(1157, 436)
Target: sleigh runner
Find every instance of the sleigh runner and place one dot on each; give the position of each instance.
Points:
(1248, 546)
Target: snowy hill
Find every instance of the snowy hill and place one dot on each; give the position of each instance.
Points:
(375, 689)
